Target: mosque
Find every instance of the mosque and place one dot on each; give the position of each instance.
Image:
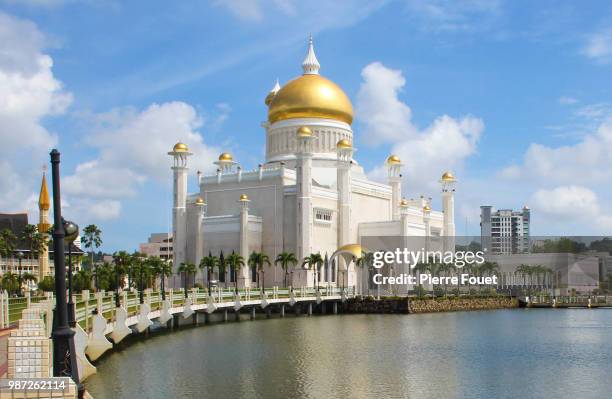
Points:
(310, 195)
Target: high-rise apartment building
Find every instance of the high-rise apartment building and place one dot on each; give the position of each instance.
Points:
(504, 231)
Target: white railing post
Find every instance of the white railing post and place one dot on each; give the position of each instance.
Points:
(2, 310)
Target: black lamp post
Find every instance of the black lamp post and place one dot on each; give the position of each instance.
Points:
(163, 281)
(20, 257)
(117, 301)
(71, 231)
(64, 360)
(141, 282)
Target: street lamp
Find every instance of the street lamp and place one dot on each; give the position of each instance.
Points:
(141, 282)
(71, 231)
(117, 301)
(163, 280)
(20, 257)
(64, 360)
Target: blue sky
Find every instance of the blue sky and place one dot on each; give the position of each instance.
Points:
(515, 97)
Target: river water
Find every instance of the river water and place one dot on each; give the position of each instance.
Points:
(520, 353)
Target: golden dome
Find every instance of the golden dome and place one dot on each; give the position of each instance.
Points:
(310, 96)
(344, 143)
(426, 209)
(393, 160)
(200, 201)
(244, 197)
(269, 98)
(180, 147)
(304, 131)
(226, 156)
(448, 177)
(404, 202)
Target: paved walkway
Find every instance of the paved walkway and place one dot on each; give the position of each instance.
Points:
(4, 334)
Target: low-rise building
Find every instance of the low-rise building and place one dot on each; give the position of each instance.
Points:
(158, 244)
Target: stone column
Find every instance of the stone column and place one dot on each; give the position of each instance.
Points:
(243, 274)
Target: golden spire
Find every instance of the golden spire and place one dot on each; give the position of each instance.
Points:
(44, 203)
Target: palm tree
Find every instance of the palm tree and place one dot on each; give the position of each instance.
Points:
(524, 270)
(285, 258)
(7, 244)
(258, 260)
(209, 262)
(235, 262)
(10, 282)
(420, 268)
(39, 244)
(27, 235)
(92, 237)
(82, 280)
(187, 269)
(365, 262)
(314, 261)
(161, 268)
(28, 277)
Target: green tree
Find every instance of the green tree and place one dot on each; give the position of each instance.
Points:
(209, 263)
(186, 269)
(314, 262)
(258, 260)
(286, 258)
(27, 236)
(92, 237)
(8, 242)
(82, 280)
(47, 284)
(10, 282)
(235, 262)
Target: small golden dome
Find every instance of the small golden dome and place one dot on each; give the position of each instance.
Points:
(344, 143)
(426, 209)
(200, 201)
(244, 197)
(404, 202)
(393, 160)
(304, 131)
(180, 147)
(310, 96)
(226, 156)
(448, 177)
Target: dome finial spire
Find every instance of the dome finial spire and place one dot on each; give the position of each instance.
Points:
(310, 65)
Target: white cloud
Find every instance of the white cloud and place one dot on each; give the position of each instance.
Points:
(29, 92)
(589, 160)
(599, 46)
(564, 201)
(572, 205)
(132, 149)
(565, 100)
(426, 153)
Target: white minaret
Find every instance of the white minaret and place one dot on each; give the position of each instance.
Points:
(243, 275)
(345, 153)
(179, 152)
(199, 244)
(394, 165)
(310, 65)
(448, 207)
(303, 172)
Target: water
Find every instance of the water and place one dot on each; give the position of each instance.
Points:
(522, 353)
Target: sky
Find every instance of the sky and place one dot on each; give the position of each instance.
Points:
(515, 97)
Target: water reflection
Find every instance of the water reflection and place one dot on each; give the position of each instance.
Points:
(501, 354)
